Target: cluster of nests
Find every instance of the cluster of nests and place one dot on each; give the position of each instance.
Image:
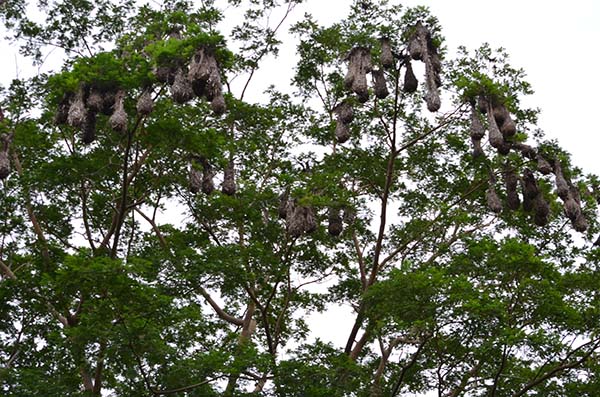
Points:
(4, 159)
(80, 109)
(302, 219)
(420, 47)
(203, 180)
(501, 128)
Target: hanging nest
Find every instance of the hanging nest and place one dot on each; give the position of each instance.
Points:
(4, 164)
(89, 128)
(432, 95)
(529, 188)
(543, 165)
(526, 150)
(195, 179)
(165, 73)
(145, 104)
(344, 112)
(108, 102)
(62, 112)
(572, 208)
(511, 182)
(379, 84)
(295, 219)
(417, 44)
(541, 210)
(492, 199)
(218, 105)
(504, 149)
(477, 130)
(495, 136)
(310, 221)
(181, 90)
(208, 185)
(477, 150)
(228, 187)
(335, 225)
(500, 114)
(562, 187)
(118, 120)
(342, 132)
(580, 224)
(359, 64)
(202, 63)
(410, 81)
(483, 104)
(94, 101)
(76, 116)
(387, 58)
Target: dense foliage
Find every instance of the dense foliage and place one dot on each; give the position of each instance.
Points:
(165, 233)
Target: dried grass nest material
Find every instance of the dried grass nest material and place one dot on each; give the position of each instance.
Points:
(118, 119)
(476, 130)
(62, 112)
(477, 150)
(387, 58)
(4, 165)
(543, 165)
(181, 89)
(511, 182)
(562, 186)
(342, 132)
(300, 219)
(335, 225)
(359, 64)
(195, 179)
(89, 128)
(208, 184)
(228, 187)
(526, 150)
(493, 201)
(410, 80)
(144, 103)
(417, 44)
(541, 210)
(379, 84)
(94, 101)
(205, 78)
(495, 136)
(77, 110)
(344, 112)
(504, 121)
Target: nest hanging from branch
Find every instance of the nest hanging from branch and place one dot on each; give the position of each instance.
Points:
(483, 104)
(208, 185)
(94, 101)
(282, 209)
(580, 224)
(530, 189)
(492, 199)
(295, 218)
(477, 150)
(359, 64)
(228, 186)
(505, 123)
(218, 105)
(344, 112)
(417, 44)
(118, 119)
(89, 128)
(541, 210)
(181, 90)
(511, 182)
(195, 178)
(145, 104)
(562, 186)
(495, 136)
(477, 131)
(379, 84)
(543, 165)
(62, 112)
(410, 81)
(387, 58)
(4, 159)
(342, 132)
(108, 102)
(335, 225)
(205, 78)
(77, 111)
(421, 47)
(526, 150)
(310, 221)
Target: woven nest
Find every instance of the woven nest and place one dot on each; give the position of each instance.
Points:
(511, 182)
(562, 187)
(62, 112)
(526, 150)
(342, 132)
(145, 104)
(359, 64)
(379, 84)
(77, 110)
(108, 102)
(530, 186)
(295, 220)
(504, 149)
(94, 101)
(483, 104)
(572, 208)
(208, 185)
(491, 197)
(165, 73)
(195, 179)
(417, 44)
(477, 131)
(283, 204)
(580, 224)
(410, 81)
(500, 114)
(335, 225)
(495, 136)
(181, 89)
(118, 120)
(218, 105)
(4, 164)
(228, 187)
(344, 112)
(310, 221)
(541, 210)
(543, 165)
(387, 58)
(432, 95)
(477, 150)
(89, 128)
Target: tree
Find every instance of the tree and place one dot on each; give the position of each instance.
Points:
(126, 270)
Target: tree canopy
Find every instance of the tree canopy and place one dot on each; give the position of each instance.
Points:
(163, 232)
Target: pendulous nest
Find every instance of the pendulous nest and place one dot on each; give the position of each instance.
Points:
(118, 119)
(228, 187)
(359, 64)
(77, 111)
(387, 58)
(335, 225)
(195, 179)
(543, 165)
(181, 89)
(410, 81)
(89, 128)
(145, 104)
(4, 164)
(344, 112)
(477, 131)
(511, 182)
(379, 84)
